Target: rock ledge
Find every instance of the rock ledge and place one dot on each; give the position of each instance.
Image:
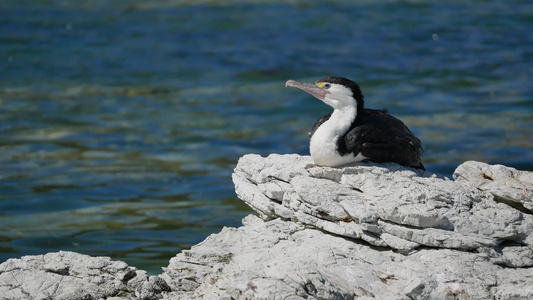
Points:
(365, 231)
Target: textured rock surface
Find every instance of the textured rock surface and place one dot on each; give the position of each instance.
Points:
(284, 260)
(69, 275)
(385, 205)
(506, 184)
(362, 231)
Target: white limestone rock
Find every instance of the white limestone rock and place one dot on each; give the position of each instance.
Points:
(365, 231)
(70, 275)
(280, 259)
(506, 184)
(383, 204)
(369, 231)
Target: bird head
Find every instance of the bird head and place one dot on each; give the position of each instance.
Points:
(337, 92)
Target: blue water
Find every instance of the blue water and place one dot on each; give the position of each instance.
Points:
(121, 121)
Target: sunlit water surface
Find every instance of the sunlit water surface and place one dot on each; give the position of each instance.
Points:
(121, 122)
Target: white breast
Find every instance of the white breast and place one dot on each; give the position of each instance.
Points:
(323, 144)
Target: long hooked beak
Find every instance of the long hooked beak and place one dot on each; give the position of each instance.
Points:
(311, 88)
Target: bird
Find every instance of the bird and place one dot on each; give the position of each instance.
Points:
(353, 133)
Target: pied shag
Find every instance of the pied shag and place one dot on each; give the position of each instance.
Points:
(352, 133)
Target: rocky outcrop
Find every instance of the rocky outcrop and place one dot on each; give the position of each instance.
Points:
(388, 205)
(285, 260)
(69, 275)
(364, 231)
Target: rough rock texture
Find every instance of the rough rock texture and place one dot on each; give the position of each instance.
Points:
(284, 260)
(69, 275)
(505, 184)
(388, 205)
(363, 231)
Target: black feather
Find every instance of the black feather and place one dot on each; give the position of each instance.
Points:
(380, 137)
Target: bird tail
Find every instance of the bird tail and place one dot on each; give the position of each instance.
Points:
(419, 166)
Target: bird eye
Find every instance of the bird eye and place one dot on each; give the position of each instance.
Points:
(323, 85)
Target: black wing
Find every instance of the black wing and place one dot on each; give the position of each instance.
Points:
(382, 138)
